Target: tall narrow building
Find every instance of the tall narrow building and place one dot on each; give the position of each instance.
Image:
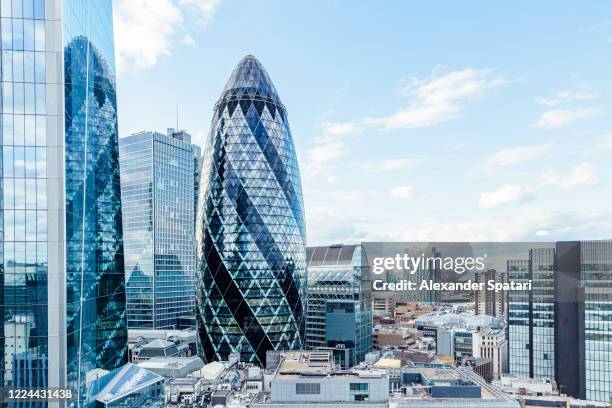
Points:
(157, 187)
(62, 291)
(250, 230)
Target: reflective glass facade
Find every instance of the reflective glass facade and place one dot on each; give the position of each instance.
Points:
(519, 341)
(250, 228)
(157, 180)
(596, 277)
(339, 299)
(61, 286)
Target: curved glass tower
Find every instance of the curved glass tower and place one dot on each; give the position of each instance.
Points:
(250, 231)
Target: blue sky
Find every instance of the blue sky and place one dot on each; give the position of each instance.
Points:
(430, 121)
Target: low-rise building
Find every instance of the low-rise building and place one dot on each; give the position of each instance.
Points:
(130, 386)
(172, 367)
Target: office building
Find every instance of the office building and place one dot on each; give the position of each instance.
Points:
(61, 252)
(308, 378)
(250, 232)
(131, 386)
(157, 187)
(486, 301)
(339, 313)
(561, 330)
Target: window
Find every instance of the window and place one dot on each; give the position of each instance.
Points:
(359, 387)
(307, 388)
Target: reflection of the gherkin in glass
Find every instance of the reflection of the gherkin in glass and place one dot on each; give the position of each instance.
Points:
(250, 229)
(61, 253)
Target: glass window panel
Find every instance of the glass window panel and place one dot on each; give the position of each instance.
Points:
(17, 9)
(19, 194)
(39, 67)
(30, 161)
(5, 8)
(18, 132)
(28, 35)
(9, 227)
(17, 34)
(41, 194)
(39, 35)
(41, 130)
(31, 225)
(7, 129)
(7, 97)
(18, 66)
(40, 99)
(18, 97)
(41, 252)
(19, 155)
(31, 252)
(41, 225)
(28, 66)
(7, 65)
(41, 162)
(8, 166)
(30, 130)
(39, 9)
(19, 246)
(28, 9)
(19, 227)
(29, 98)
(30, 192)
(7, 34)
(9, 192)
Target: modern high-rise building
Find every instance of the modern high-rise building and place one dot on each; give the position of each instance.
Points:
(251, 286)
(339, 313)
(62, 291)
(562, 328)
(157, 187)
(486, 301)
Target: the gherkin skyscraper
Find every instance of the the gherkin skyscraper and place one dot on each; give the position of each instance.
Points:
(250, 232)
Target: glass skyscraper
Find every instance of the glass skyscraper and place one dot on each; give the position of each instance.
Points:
(62, 291)
(157, 187)
(562, 328)
(339, 312)
(250, 230)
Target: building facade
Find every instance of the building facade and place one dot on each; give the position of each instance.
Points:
(251, 252)
(561, 329)
(339, 310)
(61, 254)
(157, 188)
(490, 302)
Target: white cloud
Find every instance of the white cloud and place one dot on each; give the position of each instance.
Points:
(504, 195)
(188, 40)
(514, 155)
(580, 175)
(561, 117)
(605, 142)
(435, 100)
(321, 158)
(402, 191)
(584, 93)
(389, 165)
(333, 130)
(326, 226)
(146, 30)
(524, 226)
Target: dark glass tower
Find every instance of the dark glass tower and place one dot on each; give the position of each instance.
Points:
(250, 228)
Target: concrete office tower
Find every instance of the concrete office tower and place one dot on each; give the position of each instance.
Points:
(250, 231)
(339, 314)
(157, 187)
(490, 302)
(561, 329)
(61, 253)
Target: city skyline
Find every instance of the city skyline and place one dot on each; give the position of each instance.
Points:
(413, 108)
